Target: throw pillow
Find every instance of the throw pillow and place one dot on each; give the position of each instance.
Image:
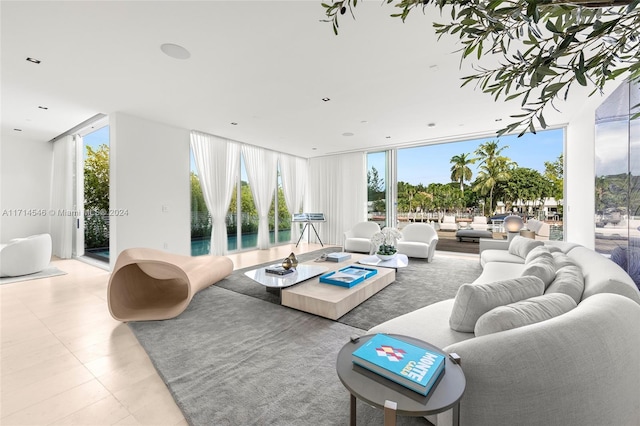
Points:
(525, 312)
(521, 246)
(569, 280)
(472, 301)
(542, 267)
(538, 252)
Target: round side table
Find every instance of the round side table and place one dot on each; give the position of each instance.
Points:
(393, 398)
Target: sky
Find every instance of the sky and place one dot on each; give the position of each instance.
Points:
(431, 163)
(97, 138)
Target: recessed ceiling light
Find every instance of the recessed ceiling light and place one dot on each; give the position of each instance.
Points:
(18, 130)
(387, 137)
(364, 122)
(326, 99)
(431, 125)
(33, 60)
(498, 119)
(233, 123)
(347, 134)
(42, 107)
(313, 149)
(175, 51)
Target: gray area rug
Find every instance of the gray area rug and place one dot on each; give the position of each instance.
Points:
(419, 284)
(235, 359)
(51, 271)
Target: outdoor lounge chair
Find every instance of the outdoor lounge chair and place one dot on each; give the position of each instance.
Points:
(148, 284)
(479, 223)
(449, 224)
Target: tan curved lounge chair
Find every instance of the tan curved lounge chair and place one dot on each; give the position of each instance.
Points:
(148, 284)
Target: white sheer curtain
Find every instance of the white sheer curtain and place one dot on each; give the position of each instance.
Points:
(262, 169)
(293, 171)
(338, 188)
(217, 161)
(61, 224)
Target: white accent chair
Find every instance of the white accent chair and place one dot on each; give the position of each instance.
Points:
(418, 240)
(449, 224)
(358, 238)
(479, 223)
(24, 256)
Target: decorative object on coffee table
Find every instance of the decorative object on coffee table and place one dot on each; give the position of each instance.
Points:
(290, 262)
(385, 243)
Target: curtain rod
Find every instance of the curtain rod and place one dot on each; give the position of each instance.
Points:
(80, 126)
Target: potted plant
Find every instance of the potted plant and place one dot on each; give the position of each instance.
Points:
(385, 243)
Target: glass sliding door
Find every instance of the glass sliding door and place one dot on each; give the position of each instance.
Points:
(95, 192)
(377, 187)
(617, 174)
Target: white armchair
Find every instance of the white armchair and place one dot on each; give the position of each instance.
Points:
(480, 223)
(418, 240)
(358, 238)
(23, 256)
(449, 224)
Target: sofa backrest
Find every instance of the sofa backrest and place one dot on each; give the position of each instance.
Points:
(574, 369)
(602, 275)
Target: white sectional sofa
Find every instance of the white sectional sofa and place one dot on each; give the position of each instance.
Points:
(549, 334)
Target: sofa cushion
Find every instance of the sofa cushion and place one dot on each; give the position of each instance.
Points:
(473, 300)
(525, 312)
(521, 246)
(570, 281)
(561, 260)
(542, 267)
(536, 252)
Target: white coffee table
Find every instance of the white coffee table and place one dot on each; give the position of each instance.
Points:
(302, 273)
(400, 261)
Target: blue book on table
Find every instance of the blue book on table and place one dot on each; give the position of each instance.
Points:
(349, 276)
(409, 365)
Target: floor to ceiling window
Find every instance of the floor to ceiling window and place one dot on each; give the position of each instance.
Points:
(487, 176)
(617, 174)
(95, 192)
(377, 187)
(241, 219)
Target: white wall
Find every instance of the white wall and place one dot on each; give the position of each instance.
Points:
(25, 173)
(149, 169)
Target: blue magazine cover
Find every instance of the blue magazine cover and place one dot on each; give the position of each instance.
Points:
(411, 366)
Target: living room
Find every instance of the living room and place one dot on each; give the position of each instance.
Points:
(151, 149)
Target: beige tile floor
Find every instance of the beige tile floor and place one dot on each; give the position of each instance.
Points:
(65, 361)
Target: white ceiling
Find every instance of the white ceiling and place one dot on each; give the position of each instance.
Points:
(265, 65)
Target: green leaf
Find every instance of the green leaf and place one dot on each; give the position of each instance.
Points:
(580, 78)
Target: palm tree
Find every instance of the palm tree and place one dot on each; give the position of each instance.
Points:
(490, 174)
(460, 170)
(489, 152)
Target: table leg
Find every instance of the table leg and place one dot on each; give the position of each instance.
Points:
(352, 420)
(456, 414)
(302, 233)
(390, 413)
